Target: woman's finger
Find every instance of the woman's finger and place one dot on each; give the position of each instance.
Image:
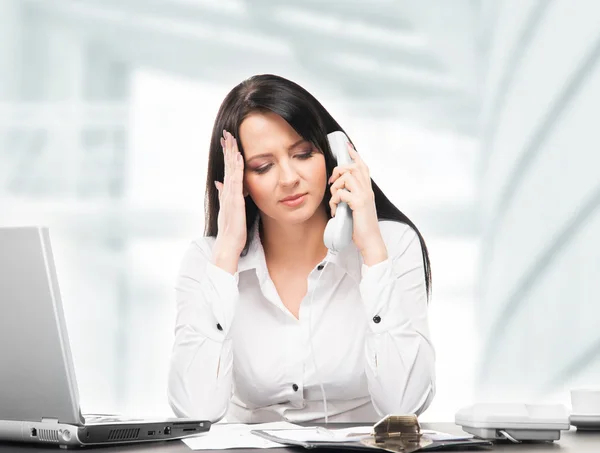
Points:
(354, 155)
(229, 164)
(238, 175)
(338, 171)
(219, 186)
(360, 163)
(237, 161)
(234, 167)
(340, 195)
(347, 181)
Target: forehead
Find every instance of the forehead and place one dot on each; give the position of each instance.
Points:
(266, 132)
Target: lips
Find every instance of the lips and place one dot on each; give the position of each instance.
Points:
(293, 197)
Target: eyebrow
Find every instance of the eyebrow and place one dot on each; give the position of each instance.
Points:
(299, 142)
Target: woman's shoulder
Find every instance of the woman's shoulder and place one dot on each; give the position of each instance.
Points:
(200, 247)
(394, 230)
(396, 235)
(205, 242)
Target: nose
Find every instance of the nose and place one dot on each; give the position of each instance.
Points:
(288, 176)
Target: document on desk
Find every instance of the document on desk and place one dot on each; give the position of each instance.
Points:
(360, 437)
(318, 434)
(223, 436)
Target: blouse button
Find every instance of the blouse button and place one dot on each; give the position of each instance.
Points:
(219, 327)
(295, 387)
(376, 319)
(320, 267)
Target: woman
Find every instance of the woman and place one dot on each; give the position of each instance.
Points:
(270, 324)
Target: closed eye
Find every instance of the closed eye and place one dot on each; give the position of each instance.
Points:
(265, 168)
(304, 156)
(262, 169)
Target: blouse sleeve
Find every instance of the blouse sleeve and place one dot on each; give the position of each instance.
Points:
(200, 373)
(400, 358)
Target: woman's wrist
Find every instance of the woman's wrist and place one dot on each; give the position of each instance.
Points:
(225, 258)
(374, 253)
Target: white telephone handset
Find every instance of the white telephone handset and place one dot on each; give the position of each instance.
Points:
(338, 232)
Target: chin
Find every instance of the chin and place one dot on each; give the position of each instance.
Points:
(298, 220)
(299, 216)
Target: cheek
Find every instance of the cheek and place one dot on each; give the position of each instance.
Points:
(317, 172)
(258, 187)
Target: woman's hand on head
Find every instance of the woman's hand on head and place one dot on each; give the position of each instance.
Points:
(352, 184)
(231, 237)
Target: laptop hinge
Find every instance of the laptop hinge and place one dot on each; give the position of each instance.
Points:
(49, 420)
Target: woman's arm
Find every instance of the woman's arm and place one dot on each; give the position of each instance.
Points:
(200, 379)
(400, 358)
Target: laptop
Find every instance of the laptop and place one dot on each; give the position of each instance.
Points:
(39, 397)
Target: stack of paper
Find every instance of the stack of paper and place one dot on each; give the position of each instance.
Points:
(320, 434)
(225, 435)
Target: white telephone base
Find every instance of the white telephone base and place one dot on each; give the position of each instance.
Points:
(513, 421)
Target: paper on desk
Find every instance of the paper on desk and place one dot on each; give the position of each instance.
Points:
(320, 434)
(222, 436)
(353, 434)
(440, 436)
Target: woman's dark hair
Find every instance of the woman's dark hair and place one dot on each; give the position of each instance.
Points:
(271, 93)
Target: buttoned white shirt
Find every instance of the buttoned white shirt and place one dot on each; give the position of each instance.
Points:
(239, 352)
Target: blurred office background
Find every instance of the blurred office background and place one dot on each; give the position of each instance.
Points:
(478, 118)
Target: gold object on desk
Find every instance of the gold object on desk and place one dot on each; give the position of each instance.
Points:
(398, 434)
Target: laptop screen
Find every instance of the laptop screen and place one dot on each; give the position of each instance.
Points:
(37, 378)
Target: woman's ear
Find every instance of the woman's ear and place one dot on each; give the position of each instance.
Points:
(244, 190)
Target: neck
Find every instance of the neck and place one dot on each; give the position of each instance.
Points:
(297, 244)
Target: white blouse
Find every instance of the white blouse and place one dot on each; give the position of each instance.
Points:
(240, 353)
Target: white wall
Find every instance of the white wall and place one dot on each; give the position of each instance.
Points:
(540, 197)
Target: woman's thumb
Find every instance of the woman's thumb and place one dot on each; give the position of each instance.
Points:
(219, 186)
